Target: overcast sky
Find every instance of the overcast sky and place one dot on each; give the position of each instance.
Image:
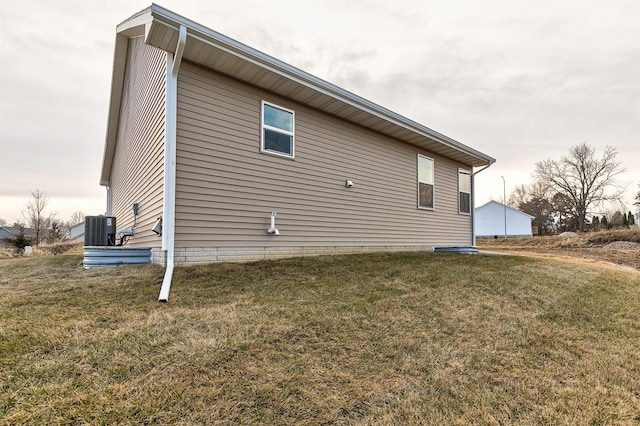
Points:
(521, 81)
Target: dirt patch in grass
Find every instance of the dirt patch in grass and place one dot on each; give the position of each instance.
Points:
(621, 247)
(403, 338)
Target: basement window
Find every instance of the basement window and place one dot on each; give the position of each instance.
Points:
(464, 191)
(277, 130)
(425, 183)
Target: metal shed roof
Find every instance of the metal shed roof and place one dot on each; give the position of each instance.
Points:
(213, 50)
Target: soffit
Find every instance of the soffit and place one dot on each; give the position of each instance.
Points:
(222, 54)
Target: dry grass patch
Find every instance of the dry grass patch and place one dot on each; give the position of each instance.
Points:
(615, 246)
(408, 338)
(54, 249)
(587, 240)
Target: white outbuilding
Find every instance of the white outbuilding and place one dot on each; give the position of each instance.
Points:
(495, 219)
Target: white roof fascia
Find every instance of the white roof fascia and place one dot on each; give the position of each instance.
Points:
(135, 26)
(504, 205)
(117, 83)
(288, 71)
(140, 24)
(131, 27)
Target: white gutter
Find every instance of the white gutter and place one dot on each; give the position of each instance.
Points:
(169, 199)
(473, 198)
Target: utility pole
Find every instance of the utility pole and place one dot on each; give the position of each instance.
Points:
(504, 203)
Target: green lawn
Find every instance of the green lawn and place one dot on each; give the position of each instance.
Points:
(406, 338)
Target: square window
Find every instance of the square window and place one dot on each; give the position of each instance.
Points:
(277, 130)
(425, 182)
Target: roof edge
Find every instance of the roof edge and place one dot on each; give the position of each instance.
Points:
(113, 118)
(504, 205)
(138, 24)
(316, 83)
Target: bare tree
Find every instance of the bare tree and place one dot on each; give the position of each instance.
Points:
(586, 180)
(564, 212)
(34, 214)
(534, 199)
(76, 218)
(524, 193)
(58, 231)
(3, 222)
(518, 196)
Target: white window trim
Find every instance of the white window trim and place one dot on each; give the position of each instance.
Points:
(467, 171)
(278, 130)
(418, 181)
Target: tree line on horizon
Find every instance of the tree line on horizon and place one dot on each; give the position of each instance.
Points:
(45, 226)
(569, 194)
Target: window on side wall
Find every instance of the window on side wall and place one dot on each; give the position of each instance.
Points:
(425, 183)
(464, 191)
(277, 130)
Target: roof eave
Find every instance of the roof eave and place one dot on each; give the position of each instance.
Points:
(132, 27)
(160, 28)
(170, 20)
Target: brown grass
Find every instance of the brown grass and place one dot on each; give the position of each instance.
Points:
(592, 245)
(408, 338)
(586, 240)
(53, 249)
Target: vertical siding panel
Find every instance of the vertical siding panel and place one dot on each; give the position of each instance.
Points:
(226, 188)
(138, 166)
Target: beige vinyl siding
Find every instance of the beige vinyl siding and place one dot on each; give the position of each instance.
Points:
(138, 167)
(226, 189)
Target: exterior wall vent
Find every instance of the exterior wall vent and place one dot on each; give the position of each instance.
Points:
(99, 231)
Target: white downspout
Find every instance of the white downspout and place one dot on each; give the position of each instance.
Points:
(473, 202)
(169, 199)
(109, 201)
